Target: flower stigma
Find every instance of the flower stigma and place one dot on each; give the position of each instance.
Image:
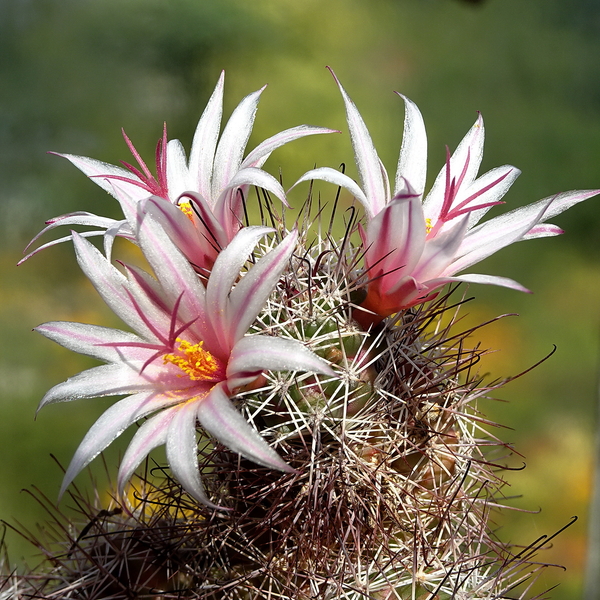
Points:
(198, 364)
(186, 209)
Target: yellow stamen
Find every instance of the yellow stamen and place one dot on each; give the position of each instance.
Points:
(186, 209)
(196, 362)
(428, 225)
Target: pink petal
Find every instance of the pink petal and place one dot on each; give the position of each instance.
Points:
(440, 251)
(395, 239)
(183, 232)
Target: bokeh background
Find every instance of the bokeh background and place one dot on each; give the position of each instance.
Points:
(73, 72)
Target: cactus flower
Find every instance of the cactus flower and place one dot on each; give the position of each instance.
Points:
(187, 358)
(204, 196)
(416, 243)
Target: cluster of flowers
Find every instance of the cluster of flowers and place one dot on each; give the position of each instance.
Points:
(194, 347)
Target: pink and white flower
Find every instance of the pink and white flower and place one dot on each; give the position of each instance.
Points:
(415, 244)
(187, 357)
(204, 196)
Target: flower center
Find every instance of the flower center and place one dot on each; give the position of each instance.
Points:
(198, 364)
(186, 209)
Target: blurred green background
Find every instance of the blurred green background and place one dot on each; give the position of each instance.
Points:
(73, 72)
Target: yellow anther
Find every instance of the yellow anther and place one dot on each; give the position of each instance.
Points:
(193, 360)
(428, 225)
(186, 209)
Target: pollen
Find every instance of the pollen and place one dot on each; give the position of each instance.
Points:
(186, 209)
(198, 364)
(428, 225)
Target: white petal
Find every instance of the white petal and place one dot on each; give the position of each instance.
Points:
(205, 141)
(256, 353)
(367, 160)
(150, 435)
(88, 339)
(492, 280)
(257, 177)
(110, 284)
(178, 180)
(105, 380)
(220, 418)
(67, 238)
(259, 155)
(332, 176)
(471, 149)
(250, 294)
(96, 169)
(113, 422)
(225, 271)
(76, 218)
(412, 164)
(182, 452)
(439, 252)
(172, 269)
(232, 144)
